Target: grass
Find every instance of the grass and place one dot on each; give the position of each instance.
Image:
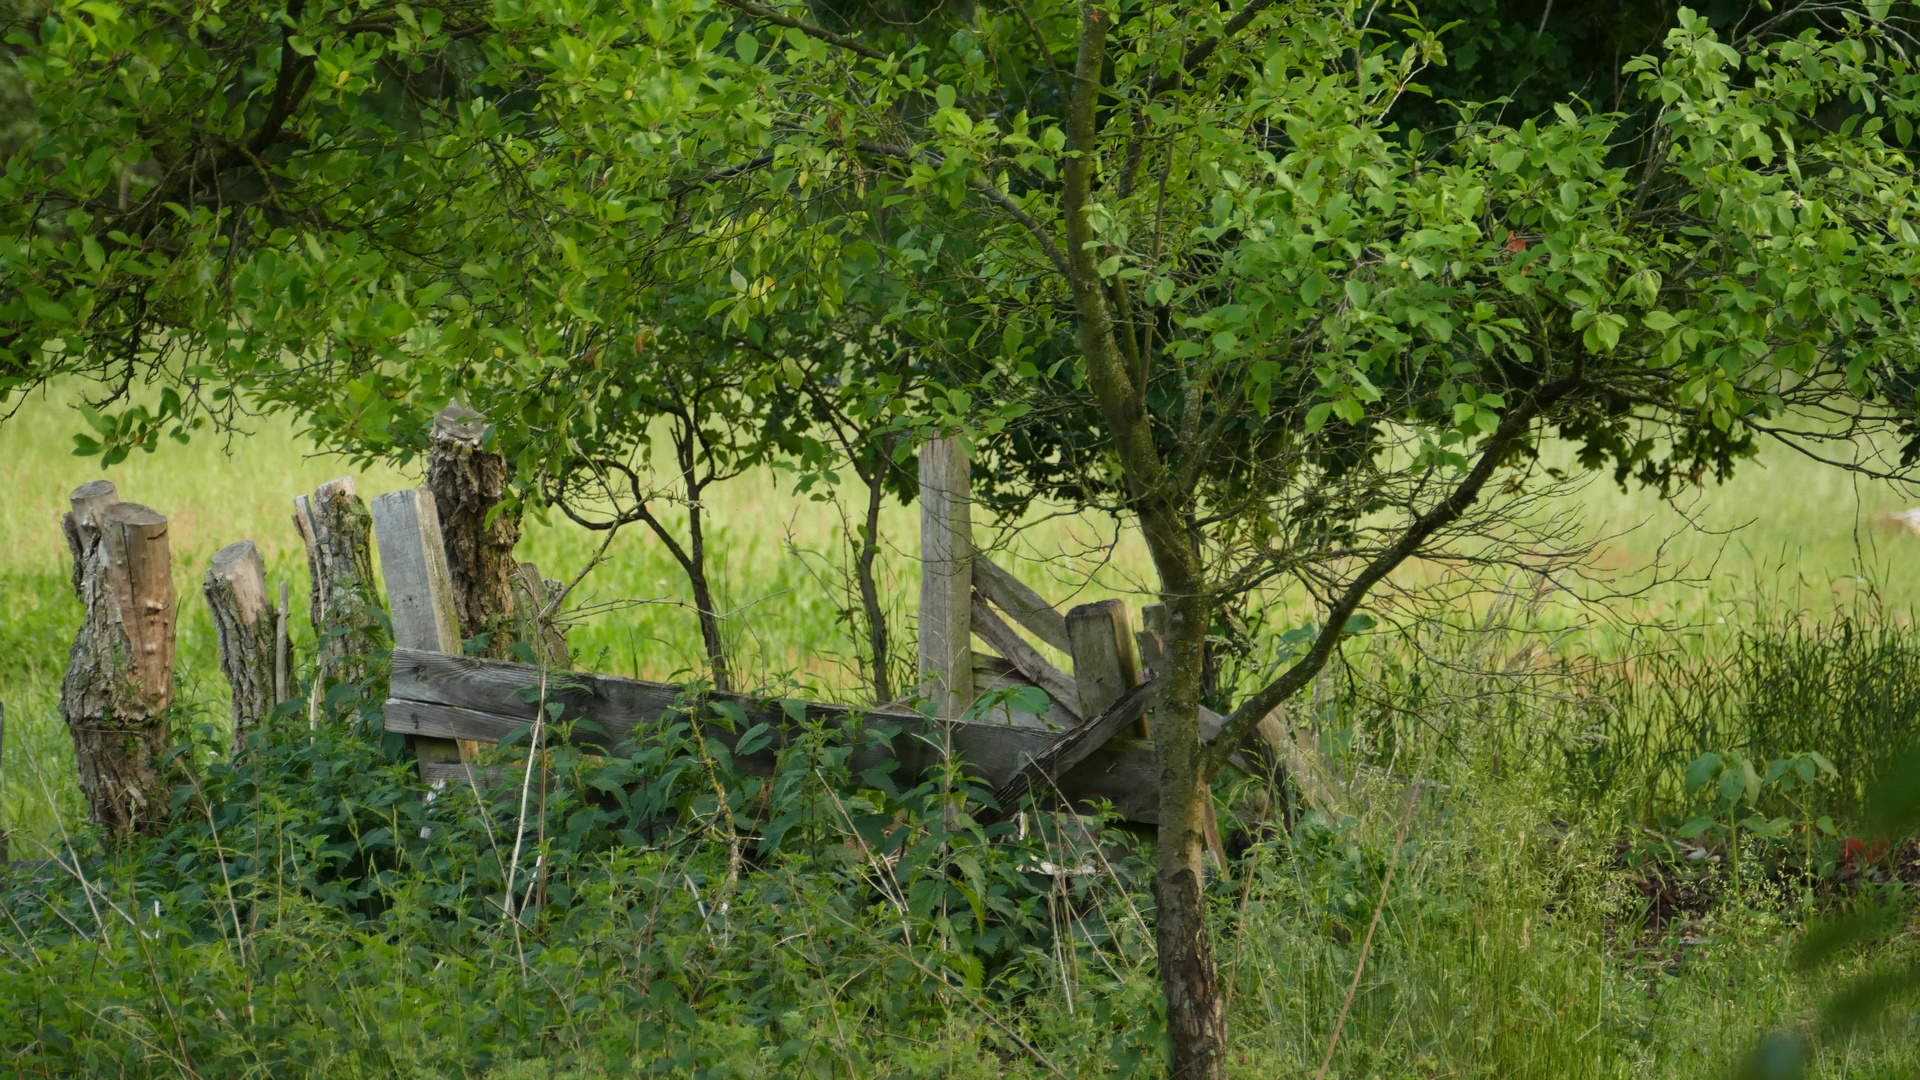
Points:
(1530, 925)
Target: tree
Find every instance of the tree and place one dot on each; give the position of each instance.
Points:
(1292, 341)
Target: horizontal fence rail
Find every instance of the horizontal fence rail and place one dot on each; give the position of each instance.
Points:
(459, 697)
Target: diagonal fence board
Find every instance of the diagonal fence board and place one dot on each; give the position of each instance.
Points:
(460, 697)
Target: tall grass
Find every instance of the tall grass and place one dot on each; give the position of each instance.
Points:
(299, 922)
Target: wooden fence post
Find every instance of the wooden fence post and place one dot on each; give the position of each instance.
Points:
(946, 578)
(413, 560)
(243, 623)
(468, 484)
(1104, 665)
(346, 630)
(119, 678)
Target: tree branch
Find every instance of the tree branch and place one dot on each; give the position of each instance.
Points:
(1290, 682)
(767, 14)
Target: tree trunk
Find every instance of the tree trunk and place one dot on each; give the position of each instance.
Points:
(347, 628)
(468, 484)
(243, 622)
(119, 678)
(710, 635)
(1196, 1018)
(877, 643)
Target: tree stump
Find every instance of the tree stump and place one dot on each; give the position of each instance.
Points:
(468, 484)
(347, 628)
(119, 678)
(244, 623)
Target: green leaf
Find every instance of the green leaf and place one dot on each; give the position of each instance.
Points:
(1700, 770)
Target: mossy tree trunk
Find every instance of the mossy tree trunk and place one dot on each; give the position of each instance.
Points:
(469, 483)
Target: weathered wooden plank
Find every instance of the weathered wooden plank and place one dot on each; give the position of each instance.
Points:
(992, 673)
(1104, 663)
(1038, 777)
(1025, 658)
(1022, 605)
(413, 559)
(946, 577)
(464, 697)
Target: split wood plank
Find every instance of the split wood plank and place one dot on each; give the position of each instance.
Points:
(1050, 767)
(946, 578)
(413, 561)
(467, 698)
(1021, 604)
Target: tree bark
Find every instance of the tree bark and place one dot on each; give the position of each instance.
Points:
(243, 623)
(347, 627)
(119, 679)
(468, 484)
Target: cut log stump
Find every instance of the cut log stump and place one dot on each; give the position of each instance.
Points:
(244, 625)
(119, 678)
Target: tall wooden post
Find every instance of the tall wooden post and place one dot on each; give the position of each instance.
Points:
(413, 560)
(346, 627)
(244, 624)
(468, 484)
(119, 678)
(946, 578)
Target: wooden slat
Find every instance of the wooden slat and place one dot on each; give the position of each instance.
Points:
(992, 672)
(413, 559)
(467, 698)
(1053, 765)
(1022, 605)
(1025, 658)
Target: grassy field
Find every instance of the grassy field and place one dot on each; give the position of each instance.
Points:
(1530, 928)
